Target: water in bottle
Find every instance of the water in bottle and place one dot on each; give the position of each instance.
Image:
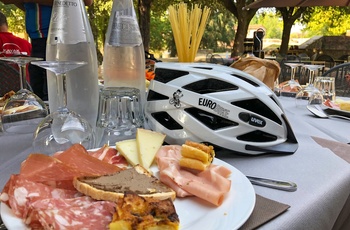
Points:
(123, 96)
(70, 39)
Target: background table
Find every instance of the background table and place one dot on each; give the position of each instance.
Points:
(322, 200)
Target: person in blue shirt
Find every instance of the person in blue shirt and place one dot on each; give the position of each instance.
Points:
(37, 19)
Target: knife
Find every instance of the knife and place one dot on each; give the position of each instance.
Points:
(272, 183)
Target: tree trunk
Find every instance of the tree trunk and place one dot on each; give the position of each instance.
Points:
(289, 15)
(241, 33)
(144, 11)
(287, 27)
(94, 30)
(243, 17)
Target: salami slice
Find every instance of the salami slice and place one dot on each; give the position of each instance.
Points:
(77, 213)
(23, 192)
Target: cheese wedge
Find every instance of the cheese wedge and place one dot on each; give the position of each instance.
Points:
(148, 144)
(128, 149)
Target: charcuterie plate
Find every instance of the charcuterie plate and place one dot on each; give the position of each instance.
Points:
(335, 111)
(194, 213)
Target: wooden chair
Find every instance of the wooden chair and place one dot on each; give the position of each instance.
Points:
(304, 57)
(341, 73)
(285, 70)
(329, 60)
(9, 78)
(215, 58)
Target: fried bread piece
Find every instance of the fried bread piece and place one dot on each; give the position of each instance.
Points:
(196, 156)
(134, 212)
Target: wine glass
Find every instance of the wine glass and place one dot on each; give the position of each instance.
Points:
(309, 93)
(24, 110)
(292, 83)
(64, 127)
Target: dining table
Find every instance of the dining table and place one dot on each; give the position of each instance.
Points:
(320, 167)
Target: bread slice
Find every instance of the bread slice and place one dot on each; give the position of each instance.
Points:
(112, 187)
(196, 156)
(135, 212)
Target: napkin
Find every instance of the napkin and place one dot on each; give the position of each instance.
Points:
(265, 70)
(264, 211)
(340, 149)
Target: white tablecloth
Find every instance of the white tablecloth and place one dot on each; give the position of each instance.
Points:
(322, 200)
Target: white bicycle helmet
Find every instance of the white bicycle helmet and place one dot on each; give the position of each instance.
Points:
(218, 105)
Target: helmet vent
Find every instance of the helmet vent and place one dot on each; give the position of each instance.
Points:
(212, 121)
(166, 75)
(258, 107)
(201, 67)
(246, 80)
(166, 120)
(257, 136)
(154, 96)
(210, 86)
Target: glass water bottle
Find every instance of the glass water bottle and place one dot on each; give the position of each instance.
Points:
(124, 93)
(70, 39)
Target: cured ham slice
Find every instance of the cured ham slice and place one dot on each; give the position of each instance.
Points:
(77, 157)
(210, 185)
(40, 167)
(75, 213)
(109, 155)
(53, 172)
(331, 104)
(44, 197)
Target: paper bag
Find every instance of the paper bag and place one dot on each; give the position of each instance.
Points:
(265, 70)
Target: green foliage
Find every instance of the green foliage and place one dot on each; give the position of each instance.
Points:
(161, 34)
(219, 32)
(272, 23)
(15, 18)
(329, 21)
(100, 17)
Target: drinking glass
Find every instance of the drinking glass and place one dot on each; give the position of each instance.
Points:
(63, 127)
(326, 85)
(309, 93)
(119, 115)
(292, 83)
(24, 110)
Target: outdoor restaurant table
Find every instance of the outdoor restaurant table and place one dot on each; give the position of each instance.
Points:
(322, 200)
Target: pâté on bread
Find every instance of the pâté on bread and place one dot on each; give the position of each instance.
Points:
(112, 187)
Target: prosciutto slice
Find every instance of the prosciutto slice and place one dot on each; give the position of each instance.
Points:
(43, 196)
(77, 157)
(210, 185)
(60, 170)
(109, 155)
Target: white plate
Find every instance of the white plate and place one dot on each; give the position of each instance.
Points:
(195, 214)
(335, 111)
